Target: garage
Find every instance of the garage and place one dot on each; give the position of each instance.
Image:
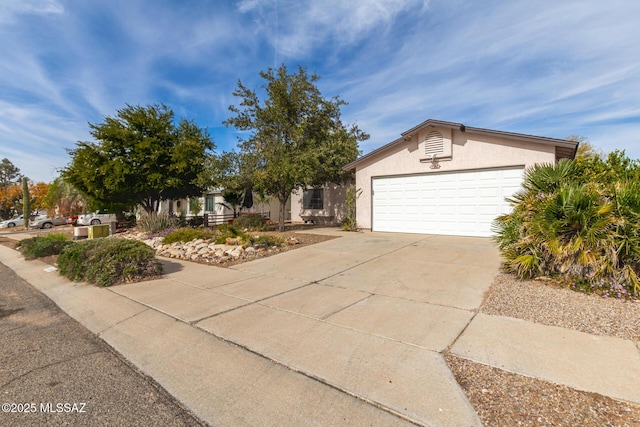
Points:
(463, 203)
(447, 178)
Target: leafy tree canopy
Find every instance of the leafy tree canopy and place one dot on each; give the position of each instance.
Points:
(9, 173)
(140, 156)
(12, 198)
(297, 138)
(607, 169)
(585, 148)
(65, 198)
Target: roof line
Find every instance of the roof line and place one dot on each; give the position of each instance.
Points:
(451, 125)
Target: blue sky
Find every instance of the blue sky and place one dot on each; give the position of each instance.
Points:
(547, 67)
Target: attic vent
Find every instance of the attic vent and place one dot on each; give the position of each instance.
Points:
(433, 143)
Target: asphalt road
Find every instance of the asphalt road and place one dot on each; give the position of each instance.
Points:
(53, 371)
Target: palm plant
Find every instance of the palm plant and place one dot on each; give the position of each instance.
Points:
(559, 225)
(233, 200)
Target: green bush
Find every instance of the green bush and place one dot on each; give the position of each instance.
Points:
(154, 223)
(72, 262)
(107, 262)
(252, 221)
(38, 247)
(224, 232)
(186, 235)
(578, 221)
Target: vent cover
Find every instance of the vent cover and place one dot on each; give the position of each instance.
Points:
(433, 143)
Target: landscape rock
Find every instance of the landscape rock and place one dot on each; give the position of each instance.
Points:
(177, 253)
(205, 250)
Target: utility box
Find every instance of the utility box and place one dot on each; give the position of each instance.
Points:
(96, 231)
(113, 227)
(80, 233)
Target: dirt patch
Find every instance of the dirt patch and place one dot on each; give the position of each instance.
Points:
(10, 243)
(503, 398)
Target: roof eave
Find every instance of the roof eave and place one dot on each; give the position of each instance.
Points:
(407, 135)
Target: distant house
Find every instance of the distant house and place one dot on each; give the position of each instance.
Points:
(447, 178)
(213, 203)
(320, 205)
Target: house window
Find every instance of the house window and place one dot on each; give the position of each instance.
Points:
(313, 198)
(209, 203)
(433, 143)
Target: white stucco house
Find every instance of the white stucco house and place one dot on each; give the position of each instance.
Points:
(320, 205)
(447, 178)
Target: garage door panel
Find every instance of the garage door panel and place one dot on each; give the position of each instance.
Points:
(467, 192)
(513, 173)
(469, 177)
(461, 203)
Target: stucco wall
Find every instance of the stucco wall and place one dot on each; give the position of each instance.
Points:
(468, 151)
(334, 207)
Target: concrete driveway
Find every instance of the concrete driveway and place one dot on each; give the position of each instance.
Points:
(346, 332)
(366, 314)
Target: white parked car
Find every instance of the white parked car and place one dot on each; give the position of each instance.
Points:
(13, 222)
(96, 218)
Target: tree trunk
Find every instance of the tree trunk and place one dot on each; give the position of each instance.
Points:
(282, 198)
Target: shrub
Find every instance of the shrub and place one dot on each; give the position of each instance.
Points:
(73, 261)
(154, 223)
(38, 247)
(349, 222)
(585, 232)
(224, 232)
(107, 262)
(227, 230)
(186, 235)
(252, 221)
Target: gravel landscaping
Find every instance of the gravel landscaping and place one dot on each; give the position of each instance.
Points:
(503, 398)
(539, 302)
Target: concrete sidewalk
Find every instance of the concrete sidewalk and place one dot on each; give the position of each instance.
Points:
(345, 332)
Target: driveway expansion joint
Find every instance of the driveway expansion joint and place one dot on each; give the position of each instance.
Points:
(325, 317)
(315, 378)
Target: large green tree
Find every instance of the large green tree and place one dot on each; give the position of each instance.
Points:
(296, 136)
(140, 156)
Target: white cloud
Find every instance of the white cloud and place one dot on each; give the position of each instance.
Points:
(295, 27)
(11, 8)
(516, 66)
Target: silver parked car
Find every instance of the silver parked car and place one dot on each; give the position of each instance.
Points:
(43, 221)
(13, 222)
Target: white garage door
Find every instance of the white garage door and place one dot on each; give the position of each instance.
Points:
(451, 203)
